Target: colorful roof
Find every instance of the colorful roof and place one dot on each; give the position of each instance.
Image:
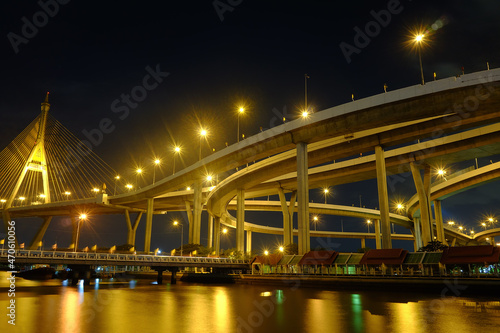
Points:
(384, 256)
(318, 258)
(270, 259)
(483, 254)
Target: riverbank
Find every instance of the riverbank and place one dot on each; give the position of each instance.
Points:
(449, 286)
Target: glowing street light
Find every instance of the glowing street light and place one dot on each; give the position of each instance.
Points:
(451, 223)
(156, 163)
(176, 223)
(203, 134)
(266, 252)
(281, 249)
(137, 173)
(368, 222)
(326, 192)
(483, 225)
(129, 187)
(241, 110)
(418, 40)
(116, 178)
(81, 218)
(3, 201)
(177, 151)
(315, 221)
(224, 231)
(305, 114)
(67, 194)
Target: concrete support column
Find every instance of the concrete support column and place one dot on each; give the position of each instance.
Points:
(418, 234)
(240, 220)
(378, 241)
(303, 198)
(41, 232)
(427, 187)
(424, 207)
(363, 243)
(383, 198)
(217, 235)
(132, 229)
(74, 231)
(189, 212)
(249, 241)
(439, 221)
(149, 225)
(197, 209)
(287, 216)
(210, 231)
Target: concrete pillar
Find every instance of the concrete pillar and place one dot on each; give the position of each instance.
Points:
(378, 241)
(149, 225)
(41, 232)
(189, 212)
(132, 229)
(240, 220)
(363, 243)
(249, 241)
(427, 187)
(383, 198)
(217, 235)
(424, 207)
(418, 235)
(303, 198)
(287, 216)
(210, 230)
(197, 209)
(439, 221)
(74, 231)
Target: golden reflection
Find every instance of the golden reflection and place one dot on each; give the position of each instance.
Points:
(70, 320)
(405, 317)
(222, 310)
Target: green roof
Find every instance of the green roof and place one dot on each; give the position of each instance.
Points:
(414, 258)
(342, 258)
(432, 257)
(355, 258)
(285, 260)
(295, 260)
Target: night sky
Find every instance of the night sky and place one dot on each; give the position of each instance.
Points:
(209, 60)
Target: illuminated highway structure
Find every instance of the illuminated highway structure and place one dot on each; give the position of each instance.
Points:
(304, 143)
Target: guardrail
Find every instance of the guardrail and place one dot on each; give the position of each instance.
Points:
(75, 257)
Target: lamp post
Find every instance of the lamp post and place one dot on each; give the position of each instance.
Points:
(177, 151)
(3, 201)
(82, 217)
(368, 222)
(315, 221)
(137, 173)
(418, 40)
(240, 111)
(156, 163)
(325, 192)
(203, 134)
(182, 233)
(116, 178)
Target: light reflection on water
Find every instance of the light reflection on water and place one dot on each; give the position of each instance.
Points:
(139, 306)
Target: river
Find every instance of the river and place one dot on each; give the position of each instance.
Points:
(143, 306)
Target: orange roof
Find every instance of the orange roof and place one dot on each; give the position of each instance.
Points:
(488, 254)
(270, 259)
(384, 256)
(318, 258)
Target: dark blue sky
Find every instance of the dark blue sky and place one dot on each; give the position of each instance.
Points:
(88, 54)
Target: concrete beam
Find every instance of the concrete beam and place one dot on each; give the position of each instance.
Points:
(41, 232)
(303, 198)
(424, 207)
(383, 198)
(149, 225)
(240, 220)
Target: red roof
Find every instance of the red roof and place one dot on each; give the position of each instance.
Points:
(318, 258)
(488, 254)
(270, 259)
(384, 256)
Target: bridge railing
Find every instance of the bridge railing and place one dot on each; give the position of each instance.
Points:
(118, 257)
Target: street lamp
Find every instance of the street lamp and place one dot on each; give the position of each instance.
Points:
(137, 173)
(129, 186)
(419, 38)
(266, 252)
(156, 163)
(182, 233)
(368, 222)
(315, 221)
(281, 249)
(240, 111)
(224, 231)
(203, 134)
(326, 190)
(3, 201)
(67, 193)
(82, 217)
(116, 178)
(451, 223)
(177, 151)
